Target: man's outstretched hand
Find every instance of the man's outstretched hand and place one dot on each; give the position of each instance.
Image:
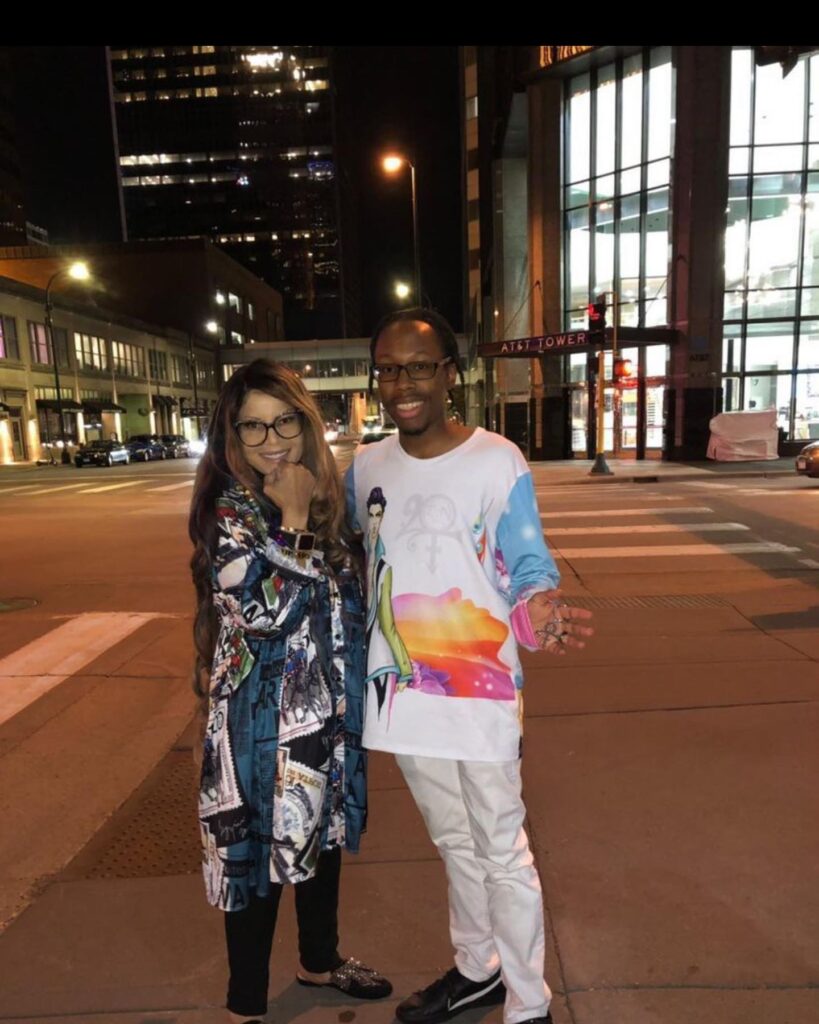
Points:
(558, 626)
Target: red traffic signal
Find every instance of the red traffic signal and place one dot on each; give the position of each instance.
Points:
(623, 369)
(596, 312)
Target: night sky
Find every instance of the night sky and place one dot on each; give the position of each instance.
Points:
(405, 98)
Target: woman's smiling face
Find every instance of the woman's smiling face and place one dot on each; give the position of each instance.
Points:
(260, 407)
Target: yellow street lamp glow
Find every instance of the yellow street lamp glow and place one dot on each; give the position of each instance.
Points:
(212, 326)
(402, 290)
(79, 271)
(392, 163)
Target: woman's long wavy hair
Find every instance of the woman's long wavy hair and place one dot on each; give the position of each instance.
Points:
(224, 462)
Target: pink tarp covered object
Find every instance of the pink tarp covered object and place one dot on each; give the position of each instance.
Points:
(743, 436)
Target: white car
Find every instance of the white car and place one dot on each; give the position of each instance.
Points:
(330, 433)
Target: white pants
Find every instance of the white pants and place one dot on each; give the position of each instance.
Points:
(474, 813)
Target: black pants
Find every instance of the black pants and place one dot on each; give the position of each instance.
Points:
(249, 934)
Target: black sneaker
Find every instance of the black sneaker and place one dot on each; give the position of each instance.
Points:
(449, 996)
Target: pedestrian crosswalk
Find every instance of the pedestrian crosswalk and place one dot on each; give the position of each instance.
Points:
(632, 531)
(42, 664)
(91, 484)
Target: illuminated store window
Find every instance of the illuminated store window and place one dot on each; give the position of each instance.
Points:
(616, 187)
(771, 306)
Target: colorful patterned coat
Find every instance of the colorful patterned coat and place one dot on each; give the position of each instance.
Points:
(283, 773)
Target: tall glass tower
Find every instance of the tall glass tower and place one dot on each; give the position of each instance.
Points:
(235, 143)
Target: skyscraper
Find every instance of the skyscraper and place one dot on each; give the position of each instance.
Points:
(12, 221)
(235, 143)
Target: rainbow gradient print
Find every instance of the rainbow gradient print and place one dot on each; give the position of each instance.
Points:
(454, 646)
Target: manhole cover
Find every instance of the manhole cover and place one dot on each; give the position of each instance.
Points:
(16, 604)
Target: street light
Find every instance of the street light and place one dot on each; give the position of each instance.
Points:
(392, 164)
(402, 290)
(194, 374)
(79, 272)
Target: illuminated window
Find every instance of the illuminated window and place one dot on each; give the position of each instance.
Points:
(90, 352)
(181, 369)
(234, 301)
(127, 360)
(771, 305)
(616, 177)
(9, 347)
(38, 343)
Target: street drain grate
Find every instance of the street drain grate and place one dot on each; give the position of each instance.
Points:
(17, 604)
(156, 833)
(652, 601)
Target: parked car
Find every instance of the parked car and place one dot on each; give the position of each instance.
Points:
(377, 432)
(176, 446)
(807, 461)
(145, 446)
(102, 453)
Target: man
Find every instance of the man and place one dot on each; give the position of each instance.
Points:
(450, 519)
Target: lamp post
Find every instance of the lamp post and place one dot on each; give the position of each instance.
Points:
(392, 164)
(192, 358)
(402, 290)
(79, 272)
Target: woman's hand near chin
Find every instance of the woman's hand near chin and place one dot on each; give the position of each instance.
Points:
(291, 485)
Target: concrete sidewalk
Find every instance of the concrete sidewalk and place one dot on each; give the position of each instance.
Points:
(577, 471)
(670, 778)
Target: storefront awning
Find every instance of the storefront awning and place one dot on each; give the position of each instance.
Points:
(68, 404)
(166, 400)
(97, 408)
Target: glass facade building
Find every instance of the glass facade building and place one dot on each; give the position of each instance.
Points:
(770, 354)
(618, 122)
(235, 143)
(681, 183)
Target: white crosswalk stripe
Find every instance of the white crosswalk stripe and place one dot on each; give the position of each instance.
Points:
(52, 490)
(597, 531)
(758, 492)
(606, 512)
(110, 487)
(675, 550)
(709, 484)
(49, 660)
(171, 487)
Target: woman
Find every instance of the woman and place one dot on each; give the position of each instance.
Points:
(279, 641)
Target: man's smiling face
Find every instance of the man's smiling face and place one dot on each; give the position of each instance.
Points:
(414, 405)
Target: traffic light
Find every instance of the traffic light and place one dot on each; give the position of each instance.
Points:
(597, 320)
(623, 369)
